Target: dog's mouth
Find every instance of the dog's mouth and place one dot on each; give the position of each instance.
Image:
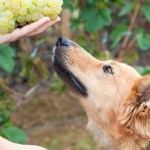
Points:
(69, 78)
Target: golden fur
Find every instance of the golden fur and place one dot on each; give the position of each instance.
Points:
(117, 105)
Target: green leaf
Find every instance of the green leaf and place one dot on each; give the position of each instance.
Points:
(7, 50)
(88, 12)
(139, 69)
(95, 19)
(68, 5)
(146, 11)
(105, 15)
(143, 70)
(143, 41)
(40, 42)
(117, 34)
(75, 23)
(126, 9)
(57, 85)
(6, 58)
(94, 24)
(14, 134)
(4, 117)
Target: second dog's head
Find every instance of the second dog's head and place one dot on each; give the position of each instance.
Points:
(110, 87)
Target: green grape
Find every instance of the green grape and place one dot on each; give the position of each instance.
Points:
(35, 17)
(40, 3)
(20, 19)
(2, 9)
(17, 13)
(53, 17)
(8, 15)
(39, 9)
(41, 16)
(3, 22)
(53, 11)
(7, 5)
(15, 4)
(58, 10)
(3, 30)
(1, 3)
(22, 23)
(32, 9)
(46, 10)
(61, 2)
(10, 30)
(12, 24)
(28, 18)
(26, 3)
(23, 11)
(52, 3)
(34, 2)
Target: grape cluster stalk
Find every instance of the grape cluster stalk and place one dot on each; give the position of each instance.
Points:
(18, 13)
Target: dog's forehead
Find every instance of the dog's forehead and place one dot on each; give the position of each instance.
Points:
(122, 67)
(108, 62)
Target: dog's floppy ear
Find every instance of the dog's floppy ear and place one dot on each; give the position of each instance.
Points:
(142, 91)
(136, 108)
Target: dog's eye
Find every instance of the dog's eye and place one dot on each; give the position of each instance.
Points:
(108, 69)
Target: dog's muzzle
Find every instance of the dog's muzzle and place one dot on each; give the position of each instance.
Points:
(61, 66)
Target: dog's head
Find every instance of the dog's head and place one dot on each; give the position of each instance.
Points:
(109, 86)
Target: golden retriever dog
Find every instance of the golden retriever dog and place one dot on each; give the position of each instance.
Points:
(114, 95)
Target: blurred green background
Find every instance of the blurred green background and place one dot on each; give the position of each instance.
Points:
(35, 106)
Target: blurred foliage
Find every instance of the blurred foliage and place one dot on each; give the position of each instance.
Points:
(57, 84)
(6, 58)
(83, 143)
(143, 70)
(113, 17)
(101, 26)
(33, 69)
(7, 129)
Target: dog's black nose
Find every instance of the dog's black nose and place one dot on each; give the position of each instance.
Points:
(63, 41)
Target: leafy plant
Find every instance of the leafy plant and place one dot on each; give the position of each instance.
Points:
(128, 7)
(143, 41)
(14, 134)
(33, 69)
(118, 33)
(146, 11)
(113, 17)
(57, 84)
(143, 70)
(7, 130)
(6, 58)
(96, 20)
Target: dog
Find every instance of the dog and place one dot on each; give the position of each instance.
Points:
(115, 96)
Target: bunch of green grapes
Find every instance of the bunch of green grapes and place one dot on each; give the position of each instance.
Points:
(17, 13)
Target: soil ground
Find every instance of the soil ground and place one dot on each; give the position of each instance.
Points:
(55, 121)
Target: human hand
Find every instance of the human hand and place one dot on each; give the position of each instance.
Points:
(28, 30)
(7, 145)
(26, 147)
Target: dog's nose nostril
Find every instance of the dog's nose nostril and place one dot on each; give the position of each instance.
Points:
(63, 41)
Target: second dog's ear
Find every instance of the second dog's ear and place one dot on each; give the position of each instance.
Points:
(137, 104)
